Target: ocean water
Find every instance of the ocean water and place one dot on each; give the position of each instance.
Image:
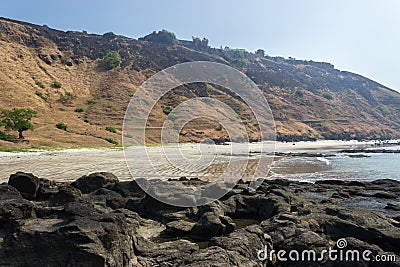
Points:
(341, 166)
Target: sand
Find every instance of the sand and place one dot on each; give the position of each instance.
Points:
(70, 164)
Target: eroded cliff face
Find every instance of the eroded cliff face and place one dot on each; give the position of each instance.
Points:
(309, 100)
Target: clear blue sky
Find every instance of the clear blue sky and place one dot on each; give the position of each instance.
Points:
(361, 36)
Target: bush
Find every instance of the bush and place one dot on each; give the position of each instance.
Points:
(163, 37)
(382, 110)
(3, 136)
(79, 109)
(86, 120)
(299, 93)
(218, 127)
(128, 135)
(111, 140)
(40, 84)
(65, 59)
(61, 126)
(327, 96)
(66, 98)
(90, 102)
(112, 60)
(111, 129)
(57, 84)
(168, 109)
(40, 94)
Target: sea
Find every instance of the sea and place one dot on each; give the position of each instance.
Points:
(343, 166)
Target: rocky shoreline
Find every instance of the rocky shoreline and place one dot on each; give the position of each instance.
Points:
(100, 221)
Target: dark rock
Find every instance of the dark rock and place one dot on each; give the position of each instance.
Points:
(179, 228)
(246, 241)
(217, 256)
(391, 206)
(16, 209)
(81, 208)
(127, 189)
(118, 224)
(65, 195)
(359, 156)
(171, 253)
(94, 181)
(384, 195)
(45, 59)
(9, 192)
(112, 199)
(26, 183)
(207, 227)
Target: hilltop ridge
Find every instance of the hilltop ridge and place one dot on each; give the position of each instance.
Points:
(310, 100)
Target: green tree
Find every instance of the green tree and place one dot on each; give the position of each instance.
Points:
(163, 37)
(112, 60)
(18, 119)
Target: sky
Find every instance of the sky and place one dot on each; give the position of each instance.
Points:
(360, 36)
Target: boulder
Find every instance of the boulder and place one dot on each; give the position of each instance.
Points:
(94, 181)
(179, 228)
(9, 192)
(26, 183)
(65, 195)
(207, 227)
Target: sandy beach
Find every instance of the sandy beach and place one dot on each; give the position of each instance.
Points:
(70, 164)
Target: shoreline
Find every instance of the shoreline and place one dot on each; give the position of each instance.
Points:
(281, 145)
(71, 163)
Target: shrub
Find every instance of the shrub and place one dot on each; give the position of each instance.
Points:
(111, 140)
(67, 69)
(327, 96)
(86, 120)
(168, 109)
(111, 129)
(239, 63)
(40, 84)
(71, 95)
(112, 60)
(299, 93)
(163, 37)
(128, 135)
(66, 98)
(57, 84)
(218, 127)
(3, 136)
(65, 59)
(61, 126)
(382, 110)
(79, 109)
(90, 102)
(41, 95)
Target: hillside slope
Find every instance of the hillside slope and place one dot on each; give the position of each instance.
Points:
(309, 100)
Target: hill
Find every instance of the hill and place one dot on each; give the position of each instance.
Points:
(62, 75)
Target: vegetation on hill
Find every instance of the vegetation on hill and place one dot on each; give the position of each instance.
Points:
(310, 100)
(17, 119)
(163, 37)
(112, 60)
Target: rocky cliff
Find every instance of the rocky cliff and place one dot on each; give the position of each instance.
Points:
(309, 100)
